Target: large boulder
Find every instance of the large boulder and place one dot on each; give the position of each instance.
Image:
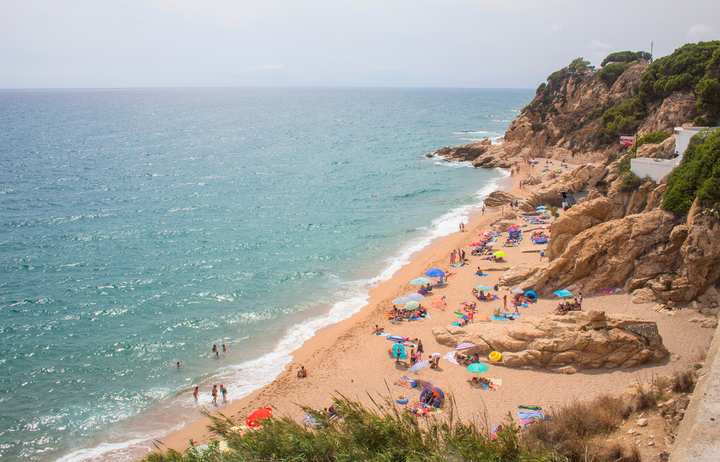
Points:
(607, 255)
(518, 273)
(468, 152)
(498, 198)
(566, 344)
(582, 216)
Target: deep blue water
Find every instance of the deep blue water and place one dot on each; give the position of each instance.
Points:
(140, 227)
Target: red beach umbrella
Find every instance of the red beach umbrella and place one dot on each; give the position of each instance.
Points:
(255, 417)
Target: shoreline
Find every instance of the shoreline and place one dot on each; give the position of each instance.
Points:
(344, 358)
(197, 430)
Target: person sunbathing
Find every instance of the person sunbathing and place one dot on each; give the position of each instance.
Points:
(378, 330)
(479, 272)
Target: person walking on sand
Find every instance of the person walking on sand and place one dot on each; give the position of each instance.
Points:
(195, 393)
(483, 210)
(214, 394)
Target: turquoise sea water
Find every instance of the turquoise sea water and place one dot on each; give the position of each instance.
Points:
(140, 227)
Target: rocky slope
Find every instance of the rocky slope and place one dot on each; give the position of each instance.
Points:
(617, 236)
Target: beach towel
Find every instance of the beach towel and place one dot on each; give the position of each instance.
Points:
(496, 318)
(450, 356)
(400, 383)
(309, 420)
(660, 308)
(483, 319)
(530, 408)
(482, 275)
(495, 297)
(529, 417)
(458, 264)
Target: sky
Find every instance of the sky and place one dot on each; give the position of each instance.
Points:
(351, 43)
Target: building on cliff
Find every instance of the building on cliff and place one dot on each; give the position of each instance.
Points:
(657, 169)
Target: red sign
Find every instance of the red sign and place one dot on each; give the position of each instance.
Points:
(626, 140)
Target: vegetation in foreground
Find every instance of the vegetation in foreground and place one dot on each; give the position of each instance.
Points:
(385, 432)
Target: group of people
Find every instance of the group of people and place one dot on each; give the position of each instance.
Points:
(466, 360)
(425, 289)
(398, 315)
(565, 307)
(214, 392)
(457, 256)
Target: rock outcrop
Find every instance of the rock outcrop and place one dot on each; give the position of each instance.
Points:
(566, 344)
(618, 253)
(498, 198)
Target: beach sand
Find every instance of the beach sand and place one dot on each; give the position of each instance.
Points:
(346, 359)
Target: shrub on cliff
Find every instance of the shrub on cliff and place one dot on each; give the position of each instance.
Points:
(698, 175)
(625, 57)
(693, 67)
(610, 73)
(653, 137)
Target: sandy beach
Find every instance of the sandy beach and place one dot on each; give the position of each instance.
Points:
(346, 359)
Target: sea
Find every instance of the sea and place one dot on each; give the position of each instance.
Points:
(140, 227)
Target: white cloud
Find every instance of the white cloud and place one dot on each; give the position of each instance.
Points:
(700, 32)
(598, 45)
(556, 26)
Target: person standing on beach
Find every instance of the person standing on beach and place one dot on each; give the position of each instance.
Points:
(505, 302)
(214, 394)
(223, 390)
(483, 210)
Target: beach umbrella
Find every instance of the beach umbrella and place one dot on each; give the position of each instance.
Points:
(464, 346)
(563, 293)
(517, 291)
(415, 296)
(477, 368)
(257, 416)
(438, 304)
(541, 207)
(434, 272)
(491, 244)
(559, 169)
(500, 254)
(530, 294)
(483, 287)
(411, 305)
(514, 227)
(485, 233)
(395, 338)
(419, 365)
(401, 300)
(421, 281)
(476, 243)
(544, 227)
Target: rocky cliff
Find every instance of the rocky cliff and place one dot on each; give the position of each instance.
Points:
(617, 236)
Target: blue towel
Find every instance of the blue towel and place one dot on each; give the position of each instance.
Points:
(498, 319)
(481, 275)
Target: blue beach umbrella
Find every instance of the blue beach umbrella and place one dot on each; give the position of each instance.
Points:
(421, 281)
(530, 294)
(395, 338)
(563, 293)
(434, 272)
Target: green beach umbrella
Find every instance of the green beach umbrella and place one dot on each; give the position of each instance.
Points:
(421, 281)
(411, 305)
(477, 368)
(500, 254)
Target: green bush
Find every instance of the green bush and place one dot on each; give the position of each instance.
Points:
(630, 182)
(610, 73)
(698, 175)
(625, 57)
(652, 138)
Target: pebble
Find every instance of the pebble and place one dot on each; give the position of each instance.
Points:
(642, 422)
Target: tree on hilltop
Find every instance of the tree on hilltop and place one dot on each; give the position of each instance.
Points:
(625, 57)
(580, 65)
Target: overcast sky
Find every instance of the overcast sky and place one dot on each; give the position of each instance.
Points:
(398, 43)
